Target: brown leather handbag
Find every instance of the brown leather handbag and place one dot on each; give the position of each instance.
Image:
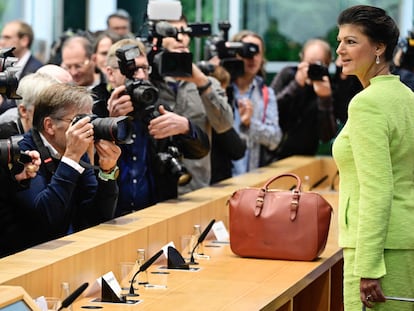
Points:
(278, 224)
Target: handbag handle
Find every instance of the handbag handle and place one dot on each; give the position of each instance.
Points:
(298, 181)
(294, 204)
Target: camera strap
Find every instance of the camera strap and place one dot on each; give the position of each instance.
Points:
(45, 155)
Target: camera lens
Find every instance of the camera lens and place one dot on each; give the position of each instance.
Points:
(9, 150)
(117, 129)
(146, 95)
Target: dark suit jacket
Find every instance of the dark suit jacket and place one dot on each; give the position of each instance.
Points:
(31, 66)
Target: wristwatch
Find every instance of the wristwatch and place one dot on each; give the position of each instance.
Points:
(109, 175)
(204, 87)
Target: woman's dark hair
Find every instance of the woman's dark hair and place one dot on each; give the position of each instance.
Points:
(375, 23)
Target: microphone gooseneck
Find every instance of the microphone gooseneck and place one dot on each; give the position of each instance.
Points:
(144, 267)
(72, 297)
(201, 238)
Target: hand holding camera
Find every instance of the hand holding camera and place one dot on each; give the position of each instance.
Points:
(319, 76)
(120, 104)
(31, 166)
(108, 153)
(79, 136)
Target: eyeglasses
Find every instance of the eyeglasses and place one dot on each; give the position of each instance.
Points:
(77, 67)
(144, 68)
(65, 120)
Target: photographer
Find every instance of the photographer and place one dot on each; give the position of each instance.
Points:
(197, 97)
(30, 86)
(305, 103)
(15, 175)
(144, 179)
(256, 115)
(66, 195)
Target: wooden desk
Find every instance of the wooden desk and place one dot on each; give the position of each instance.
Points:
(225, 280)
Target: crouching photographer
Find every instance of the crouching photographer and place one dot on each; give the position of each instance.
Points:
(16, 168)
(67, 195)
(150, 167)
(16, 171)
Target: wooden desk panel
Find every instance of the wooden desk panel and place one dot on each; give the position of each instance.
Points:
(86, 255)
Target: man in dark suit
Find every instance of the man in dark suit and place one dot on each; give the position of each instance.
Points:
(19, 35)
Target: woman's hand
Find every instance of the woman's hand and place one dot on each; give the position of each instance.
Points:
(371, 291)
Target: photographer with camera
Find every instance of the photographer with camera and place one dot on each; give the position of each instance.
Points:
(256, 116)
(66, 195)
(150, 169)
(195, 96)
(304, 97)
(20, 36)
(18, 120)
(16, 171)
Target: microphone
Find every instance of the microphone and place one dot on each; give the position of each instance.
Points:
(144, 267)
(317, 183)
(165, 29)
(200, 240)
(72, 297)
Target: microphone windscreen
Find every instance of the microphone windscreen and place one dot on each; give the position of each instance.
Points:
(72, 297)
(206, 231)
(150, 261)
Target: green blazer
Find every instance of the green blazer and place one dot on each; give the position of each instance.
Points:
(374, 153)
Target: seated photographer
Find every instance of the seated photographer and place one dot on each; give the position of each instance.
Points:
(67, 195)
(145, 176)
(195, 96)
(15, 175)
(304, 97)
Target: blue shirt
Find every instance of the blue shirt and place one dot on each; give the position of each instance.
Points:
(136, 184)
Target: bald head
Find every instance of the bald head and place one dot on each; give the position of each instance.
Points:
(56, 72)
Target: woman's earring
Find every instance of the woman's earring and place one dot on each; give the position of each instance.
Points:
(377, 60)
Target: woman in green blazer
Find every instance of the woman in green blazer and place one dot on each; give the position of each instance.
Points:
(374, 153)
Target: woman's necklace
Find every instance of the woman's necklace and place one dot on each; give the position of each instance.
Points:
(381, 69)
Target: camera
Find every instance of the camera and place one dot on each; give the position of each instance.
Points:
(317, 71)
(166, 63)
(8, 79)
(206, 67)
(169, 160)
(143, 94)
(117, 129)
(228, 51)
(10, 153)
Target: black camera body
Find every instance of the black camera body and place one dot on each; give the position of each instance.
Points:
(170, 160)
(166, 63)
(143, 94)
(173, 64)
(8, 79)
(316, 72)
(117, 129)
(228, 51)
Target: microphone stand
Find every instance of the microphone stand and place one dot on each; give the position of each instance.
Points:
(144, 267)
(72, 297)
(200, 240)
